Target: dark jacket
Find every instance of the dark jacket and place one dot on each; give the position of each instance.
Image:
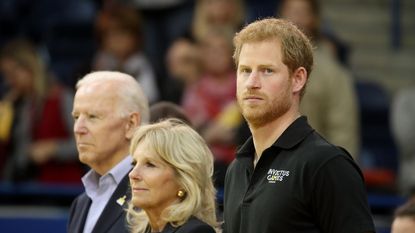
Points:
(193, 225)
(113, 217)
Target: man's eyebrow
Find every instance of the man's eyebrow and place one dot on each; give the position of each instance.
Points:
(243, 66)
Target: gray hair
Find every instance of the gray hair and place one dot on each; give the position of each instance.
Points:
(128, 90)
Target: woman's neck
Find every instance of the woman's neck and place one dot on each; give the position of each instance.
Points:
(156, 223)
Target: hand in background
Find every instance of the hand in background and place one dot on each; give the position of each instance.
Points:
(41, 152)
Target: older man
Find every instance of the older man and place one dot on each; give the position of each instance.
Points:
(108, 107)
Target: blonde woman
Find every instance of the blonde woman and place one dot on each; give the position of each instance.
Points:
(171, 181)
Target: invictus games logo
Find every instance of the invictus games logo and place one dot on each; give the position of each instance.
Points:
(275, 175)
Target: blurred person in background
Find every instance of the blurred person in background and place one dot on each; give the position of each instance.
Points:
(217, 14)
(183, 62)
(171, 182)
(330, 102)
(35, 120)
(164, 21)
(182, 59)
(165, 109)
(108, 107)
(404, 219)
(403, 129)
(120, 47)
(210, 102)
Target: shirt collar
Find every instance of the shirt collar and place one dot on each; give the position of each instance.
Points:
(121, 169)
(293, 135)
(117, 173)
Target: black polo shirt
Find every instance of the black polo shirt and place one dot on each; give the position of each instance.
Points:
(301, 183)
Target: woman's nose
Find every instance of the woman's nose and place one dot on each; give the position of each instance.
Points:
(134, 173)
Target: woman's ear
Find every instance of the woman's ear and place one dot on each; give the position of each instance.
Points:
(134, 120)
(299, 79)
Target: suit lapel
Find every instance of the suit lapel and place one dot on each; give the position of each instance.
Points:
(113, 210)
(84, 204)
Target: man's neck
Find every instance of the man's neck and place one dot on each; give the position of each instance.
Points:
(107, 165)
(267, 134)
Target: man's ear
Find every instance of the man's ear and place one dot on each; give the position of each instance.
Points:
(134, 120)
(299, 79)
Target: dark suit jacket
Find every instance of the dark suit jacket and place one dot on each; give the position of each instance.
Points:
(193, 225)
(112, 219)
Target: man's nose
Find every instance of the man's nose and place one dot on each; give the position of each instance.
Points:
(254, 80)
(79, 126)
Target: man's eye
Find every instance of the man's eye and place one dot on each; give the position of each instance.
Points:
(268, 71)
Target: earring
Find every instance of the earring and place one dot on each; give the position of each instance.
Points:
(180, 193)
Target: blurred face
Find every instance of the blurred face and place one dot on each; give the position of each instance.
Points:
(15, 75)
(216, 55)
(403, 225)
(264, 89)
(301, 14)
(153, 181)
(183, 61)
(100, 131)
(220, 11)
(120, 43)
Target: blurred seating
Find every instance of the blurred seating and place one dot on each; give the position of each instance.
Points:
(63, 27)
(8, 30)
(28, 193)
(44, 14)
(378, 157)
(28, 219)
(33, 224)
(69, 46)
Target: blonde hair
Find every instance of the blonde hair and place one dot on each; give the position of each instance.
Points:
(128, 90)
(296, 48)
(187, 153)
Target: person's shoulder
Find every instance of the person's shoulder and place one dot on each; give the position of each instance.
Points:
(319, 149)
(319, 153)
(326, 66)
(77, 205)
(237, 165)
(81, 198)
(195, 225)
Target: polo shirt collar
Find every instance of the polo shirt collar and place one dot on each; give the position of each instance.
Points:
(293, 135)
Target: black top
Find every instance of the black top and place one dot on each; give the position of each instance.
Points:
(301, 183)
(193, 225)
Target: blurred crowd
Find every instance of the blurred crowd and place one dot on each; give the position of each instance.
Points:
(181, 53)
